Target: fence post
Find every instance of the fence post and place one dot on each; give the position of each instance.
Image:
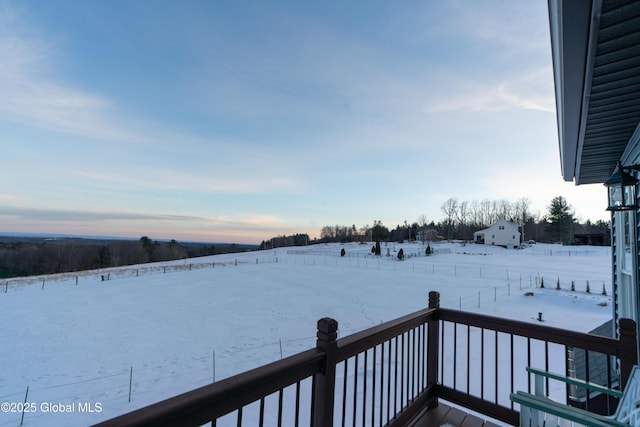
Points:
(433, 341)
(325, 381)
(628, 349)
(130, 383)
(26, 396)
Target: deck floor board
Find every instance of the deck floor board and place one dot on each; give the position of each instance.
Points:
(445, 415)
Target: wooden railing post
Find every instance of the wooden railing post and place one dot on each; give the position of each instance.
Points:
(325, 381)
(433, 346)
(628, 349)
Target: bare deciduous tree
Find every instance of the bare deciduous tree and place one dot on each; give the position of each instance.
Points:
(450, 209)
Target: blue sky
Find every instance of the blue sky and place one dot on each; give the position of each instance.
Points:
(239, 121)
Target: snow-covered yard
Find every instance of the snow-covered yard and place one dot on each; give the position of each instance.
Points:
(76, 341)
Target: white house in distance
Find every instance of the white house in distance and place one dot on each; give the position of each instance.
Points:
(502, 233)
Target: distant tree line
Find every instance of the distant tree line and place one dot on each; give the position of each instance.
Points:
(283, 241)
(462, 218)
(34, 257)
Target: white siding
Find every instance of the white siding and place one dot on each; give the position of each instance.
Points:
(502, 233)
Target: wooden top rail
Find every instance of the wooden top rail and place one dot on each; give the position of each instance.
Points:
(203, 404)
(354, 344)
(535, 331)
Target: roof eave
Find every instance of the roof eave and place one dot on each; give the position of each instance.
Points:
(570, 26)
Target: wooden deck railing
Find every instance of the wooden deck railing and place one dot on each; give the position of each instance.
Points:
(491, 356)
(385, 375)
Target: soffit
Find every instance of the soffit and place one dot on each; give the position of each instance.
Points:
(612, 109)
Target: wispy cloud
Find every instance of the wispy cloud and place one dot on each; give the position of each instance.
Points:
(245, 221)
(168, 181)
(219, 168)
(137, 223)
(252, 221)
(528, 91)
(32, 94)
(509, 24)
(8, 198)
(32, 214)
(486, 57)
(513, 26)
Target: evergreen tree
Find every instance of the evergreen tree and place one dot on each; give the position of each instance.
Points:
(147, 245)
(400, 254)
(379, 231)
(104, 257)
(561, 219)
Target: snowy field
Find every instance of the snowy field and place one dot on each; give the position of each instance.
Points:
(146, 333)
